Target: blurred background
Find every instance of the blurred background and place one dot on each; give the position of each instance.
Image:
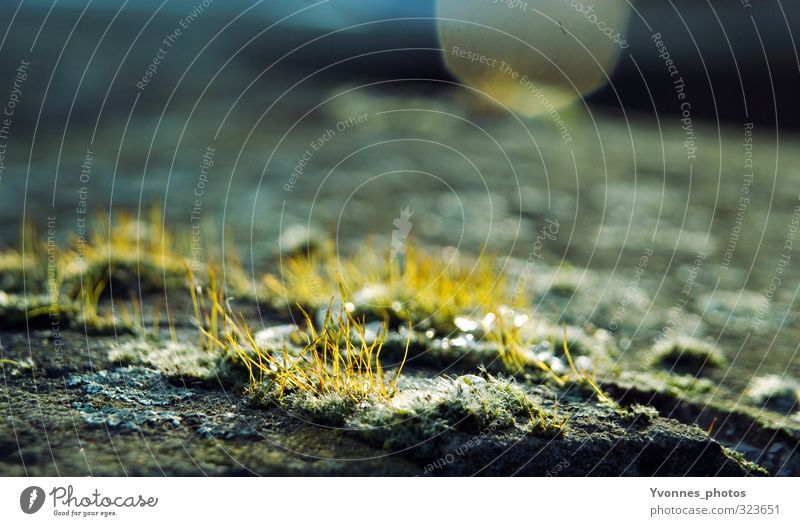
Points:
(745, 52)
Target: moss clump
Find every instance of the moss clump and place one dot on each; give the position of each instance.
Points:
(431, 289)
(425, 409)
(26, 270)
(751, 467)
(341, 357)
(677, 386)
(527, 346)
(686, 355)
(774, 392)
(16, 275)
(17, 310)
(329, 409)
(17, 367)
(132, 253)
(637, 415)
(423, 416)
(126, 270)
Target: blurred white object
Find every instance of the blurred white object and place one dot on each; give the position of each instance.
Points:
(534, 56)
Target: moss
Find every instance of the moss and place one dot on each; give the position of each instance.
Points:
(592, 352)
(17, 311)
(426, 410)
(686, 355)
(674, 385)
(17, 367)
(318, 373)
(18, 277)
(637, 415)
(765, 419)
(26, 269)
(692, 400)
(471, 404)
(329, 409)
(103, 325)
(127, 271)
(775, 393)
(429, 288)
(688, 383)
(474, 403)
(751, 467)
(565, 282)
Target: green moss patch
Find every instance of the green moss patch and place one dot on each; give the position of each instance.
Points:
(686, 355)
(774, 392)
(425, 411)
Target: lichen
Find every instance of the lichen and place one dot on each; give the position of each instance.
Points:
(124, 418)
(171, 358)
(132, 385)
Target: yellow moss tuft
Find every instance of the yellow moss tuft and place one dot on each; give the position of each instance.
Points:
(417, 285)
(138, 252)
(338, 358)
(514, 347)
